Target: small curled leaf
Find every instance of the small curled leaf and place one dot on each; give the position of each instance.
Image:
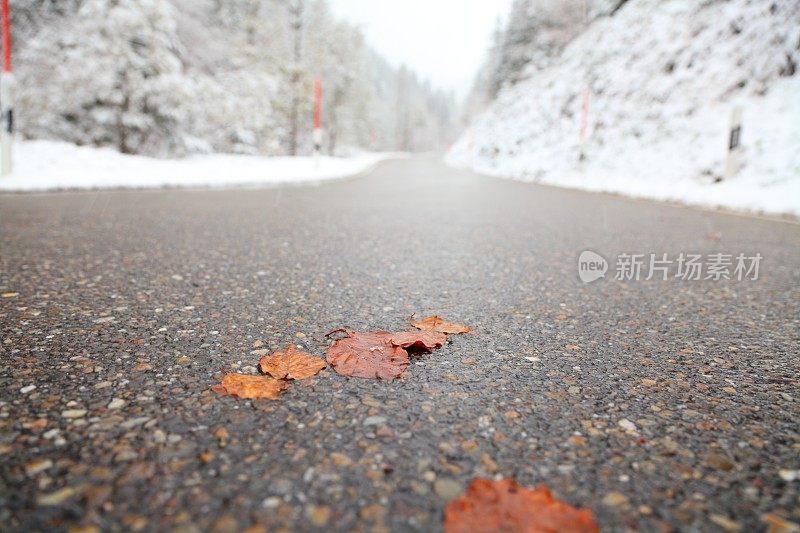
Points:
(436, 323)
(250, 387)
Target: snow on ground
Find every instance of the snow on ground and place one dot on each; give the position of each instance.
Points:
(664, 78)
(47, 165)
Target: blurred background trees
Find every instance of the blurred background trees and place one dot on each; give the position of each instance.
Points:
(532, 38)
(171, 77)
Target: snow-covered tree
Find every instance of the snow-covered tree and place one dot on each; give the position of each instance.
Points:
(116, 79)
(516, 47)
(536, 33)
(167, 77)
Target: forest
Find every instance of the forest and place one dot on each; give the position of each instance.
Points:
(175, 77)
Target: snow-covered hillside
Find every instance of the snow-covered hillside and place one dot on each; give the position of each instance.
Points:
(664, 77)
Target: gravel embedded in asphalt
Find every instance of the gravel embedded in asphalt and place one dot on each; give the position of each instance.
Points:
(655, 404)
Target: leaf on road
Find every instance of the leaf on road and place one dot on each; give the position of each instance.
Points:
(489, 506)
(435, 323)
(291, 364)
(250, 387)
(368, 355)
(419, 340)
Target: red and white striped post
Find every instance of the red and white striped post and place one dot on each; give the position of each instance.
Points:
(317, 117)
(6, 97)
(585, 116)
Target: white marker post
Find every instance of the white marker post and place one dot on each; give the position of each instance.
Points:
(6, 99)
(584, 122)
(7, 123)
(317, 136)
(733, 162)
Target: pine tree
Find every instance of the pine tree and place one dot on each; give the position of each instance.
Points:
(536, 32)
(515, 50)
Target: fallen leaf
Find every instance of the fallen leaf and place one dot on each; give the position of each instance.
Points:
(250, 387)
(489, 506)
(435, 323)
(367, 355)
(291, 364)
(419, 340)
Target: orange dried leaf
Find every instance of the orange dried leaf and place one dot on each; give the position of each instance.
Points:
(419, 340)
(250, 387)
(291, 364)
(489, 506)
(435, 323)
(368, 355)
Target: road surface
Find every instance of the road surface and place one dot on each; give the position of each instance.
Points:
(656, 404)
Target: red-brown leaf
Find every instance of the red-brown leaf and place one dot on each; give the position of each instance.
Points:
(291, 364)
(368, 355)
(435, 323)
(250, 387)
(419, 340)
(489, 506)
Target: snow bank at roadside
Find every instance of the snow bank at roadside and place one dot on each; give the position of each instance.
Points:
(664, 78)
(51, 165)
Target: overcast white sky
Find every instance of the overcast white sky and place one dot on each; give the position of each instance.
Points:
(442, 40)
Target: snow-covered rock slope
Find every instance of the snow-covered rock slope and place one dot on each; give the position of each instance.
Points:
(664, 77)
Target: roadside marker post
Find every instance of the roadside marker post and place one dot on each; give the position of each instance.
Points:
(317, 118)
(585, 116)
(6, 98)
(733, 161)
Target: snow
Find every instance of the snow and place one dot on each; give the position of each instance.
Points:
(664, 77)
(51, 165)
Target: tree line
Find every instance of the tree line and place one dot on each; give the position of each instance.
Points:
(172, 77)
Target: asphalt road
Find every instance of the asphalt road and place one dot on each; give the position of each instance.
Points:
(656, 404)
